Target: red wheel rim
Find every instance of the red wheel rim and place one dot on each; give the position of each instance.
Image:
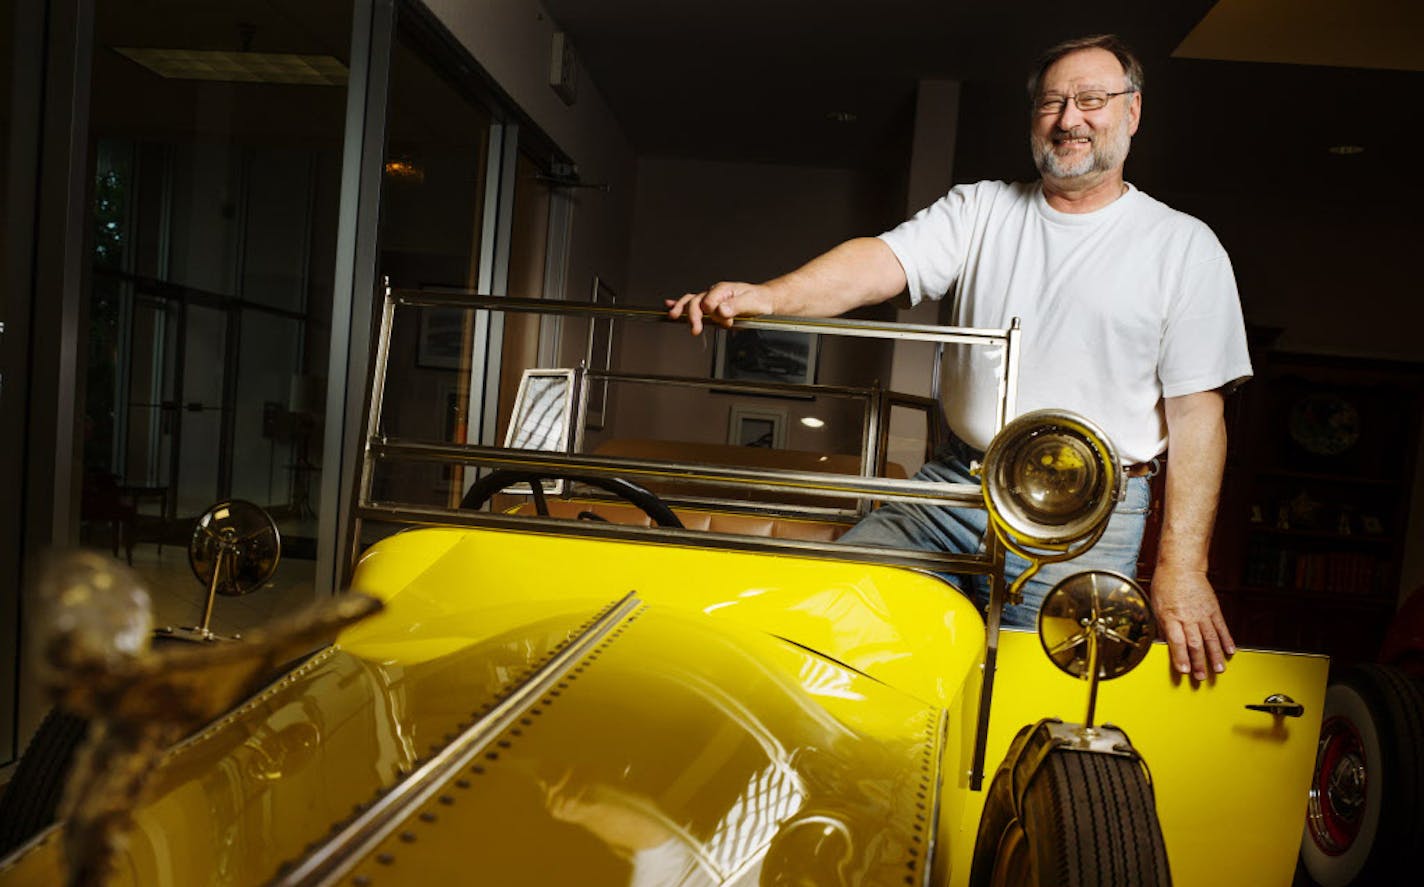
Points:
(1339, 788)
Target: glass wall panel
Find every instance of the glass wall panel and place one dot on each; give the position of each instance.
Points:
(432, 230)
(146, 429)
(280, 186)
(432, 199)
(198, 443)
(214, 216)
(275, 424)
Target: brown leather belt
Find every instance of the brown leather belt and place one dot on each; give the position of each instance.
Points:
(968, 455)
(1142, 469)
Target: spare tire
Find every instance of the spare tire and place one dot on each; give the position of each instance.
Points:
(31, 800)
(1365, 821)
(1078, 819)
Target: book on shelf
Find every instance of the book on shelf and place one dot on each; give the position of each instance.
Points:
(1271, 564)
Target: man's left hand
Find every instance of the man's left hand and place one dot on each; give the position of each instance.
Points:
(1190, 619)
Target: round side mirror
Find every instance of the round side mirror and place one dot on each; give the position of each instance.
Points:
(1098, 615)
(239, 542)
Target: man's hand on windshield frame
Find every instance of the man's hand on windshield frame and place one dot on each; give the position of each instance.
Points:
(719, 304)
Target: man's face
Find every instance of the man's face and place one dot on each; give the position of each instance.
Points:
(1073, 147)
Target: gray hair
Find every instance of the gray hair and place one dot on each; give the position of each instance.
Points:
(1131, 67)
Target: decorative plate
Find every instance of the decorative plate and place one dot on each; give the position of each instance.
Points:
(1324, 424)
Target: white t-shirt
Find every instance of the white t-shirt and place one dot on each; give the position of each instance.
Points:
(1120, 307)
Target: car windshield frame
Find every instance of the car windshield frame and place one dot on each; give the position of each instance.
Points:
(865, 488)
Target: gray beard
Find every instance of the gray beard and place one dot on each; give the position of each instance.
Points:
(1109, 150)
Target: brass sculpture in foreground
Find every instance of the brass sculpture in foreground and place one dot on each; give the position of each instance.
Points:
(96, 661)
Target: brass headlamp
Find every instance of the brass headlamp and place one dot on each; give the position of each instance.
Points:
(1051, 479)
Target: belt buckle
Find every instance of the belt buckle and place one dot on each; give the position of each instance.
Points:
(1147, 469)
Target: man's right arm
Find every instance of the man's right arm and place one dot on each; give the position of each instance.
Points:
(863, 271)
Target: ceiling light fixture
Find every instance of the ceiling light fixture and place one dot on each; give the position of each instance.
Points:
(812, 422)
(239, 67)
(842, 117)
(1346, 150)
(405, 170)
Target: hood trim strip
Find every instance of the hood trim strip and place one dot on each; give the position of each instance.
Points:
(336, 856)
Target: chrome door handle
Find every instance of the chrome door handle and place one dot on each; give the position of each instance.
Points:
(1280, 705)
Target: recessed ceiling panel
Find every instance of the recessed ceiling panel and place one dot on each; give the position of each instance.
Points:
(1386, 34)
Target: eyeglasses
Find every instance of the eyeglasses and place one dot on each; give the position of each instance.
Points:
(1087, 100)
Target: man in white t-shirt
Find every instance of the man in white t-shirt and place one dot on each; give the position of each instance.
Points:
(1130, 317)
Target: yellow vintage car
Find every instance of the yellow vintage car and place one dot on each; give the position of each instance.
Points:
(681, 689)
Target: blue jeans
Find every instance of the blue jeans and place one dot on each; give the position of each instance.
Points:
(961, 531)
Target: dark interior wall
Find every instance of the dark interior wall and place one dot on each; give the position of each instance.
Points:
(1335, 276)
(697, 222)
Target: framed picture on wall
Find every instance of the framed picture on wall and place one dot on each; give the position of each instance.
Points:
(600, 354)
(757, 427)
(442, 338)
(765, 356)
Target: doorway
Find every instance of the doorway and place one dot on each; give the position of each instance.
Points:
(213, 221)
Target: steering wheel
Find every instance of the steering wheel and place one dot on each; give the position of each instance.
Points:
(650, 505)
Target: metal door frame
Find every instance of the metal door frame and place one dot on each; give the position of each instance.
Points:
(358, 290)
(41, 390)
(355, 283)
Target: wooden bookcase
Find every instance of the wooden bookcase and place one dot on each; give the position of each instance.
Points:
(1311, 530)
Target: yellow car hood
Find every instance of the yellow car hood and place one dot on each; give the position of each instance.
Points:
(766, 757)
